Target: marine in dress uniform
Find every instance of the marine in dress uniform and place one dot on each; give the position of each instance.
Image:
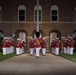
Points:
(12, 44)
(65, 45)
(57, 46)
(31, 43)
(53, 45)
(23, 45)
(37, 43)
(43, 46)
(68, 48)
(8, 46)
(71, 46)
(18, 46)
(4, 47)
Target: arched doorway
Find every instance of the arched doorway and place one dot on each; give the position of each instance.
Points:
(21, 34)
(54, 34)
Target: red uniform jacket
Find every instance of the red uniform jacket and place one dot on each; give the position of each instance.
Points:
(4, 45)
(57, 44)
(8, 44)
(37, 42)
(43, 44)
(31, 43)
(71, 45)
(64, 43)
(18, 44)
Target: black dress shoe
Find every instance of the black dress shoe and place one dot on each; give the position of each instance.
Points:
(37, 56)
(31, 55)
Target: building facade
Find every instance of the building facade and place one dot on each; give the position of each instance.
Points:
(57, 18)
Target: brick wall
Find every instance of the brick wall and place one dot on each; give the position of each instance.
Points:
(10, 24)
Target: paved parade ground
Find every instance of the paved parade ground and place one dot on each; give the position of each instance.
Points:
(44, 65)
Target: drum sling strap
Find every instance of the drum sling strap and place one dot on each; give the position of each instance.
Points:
(38, 42)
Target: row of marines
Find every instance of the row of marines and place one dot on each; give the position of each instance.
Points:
(55, 45)
(9, 45)
(68, 45)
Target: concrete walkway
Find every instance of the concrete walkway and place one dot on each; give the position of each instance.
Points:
(44, 65)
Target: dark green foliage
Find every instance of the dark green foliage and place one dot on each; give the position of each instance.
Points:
(4, 57)
(68, 56)
(75, 47)
(1, 38)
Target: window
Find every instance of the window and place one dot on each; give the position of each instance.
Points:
(40, 13)
(0, 14)
(54, 13)
(75, 14)
(21, 13)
